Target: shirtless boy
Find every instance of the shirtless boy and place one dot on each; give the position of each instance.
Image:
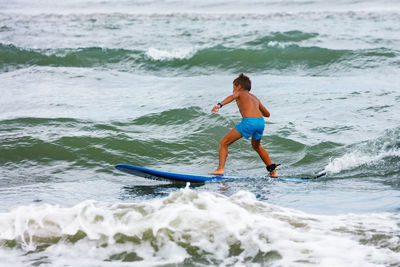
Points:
(252, 124)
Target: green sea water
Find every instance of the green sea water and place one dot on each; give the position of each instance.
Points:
(85, 85)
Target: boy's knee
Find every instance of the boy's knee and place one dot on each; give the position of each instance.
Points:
(223, 142)
(256, 146)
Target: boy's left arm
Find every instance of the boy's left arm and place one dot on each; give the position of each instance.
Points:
(264, 110)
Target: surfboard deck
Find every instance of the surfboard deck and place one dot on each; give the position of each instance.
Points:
(180, 177)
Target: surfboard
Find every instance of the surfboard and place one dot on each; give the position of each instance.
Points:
(180, 177)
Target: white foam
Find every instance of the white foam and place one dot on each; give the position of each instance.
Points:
(358, 158)
(219, 230)
(179, 53)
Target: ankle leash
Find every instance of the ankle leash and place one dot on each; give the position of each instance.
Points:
(272, 167)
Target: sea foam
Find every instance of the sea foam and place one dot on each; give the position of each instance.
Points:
(383, 150)
(159, 54)
(196, 228)
(356, 159)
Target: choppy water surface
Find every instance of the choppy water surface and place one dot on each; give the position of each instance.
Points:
(86, 85)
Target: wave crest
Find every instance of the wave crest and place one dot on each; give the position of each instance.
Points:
(257, 57)
(370, 156)
(158, 54)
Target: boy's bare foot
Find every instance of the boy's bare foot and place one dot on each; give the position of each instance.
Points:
(217, 172)
(273, 174)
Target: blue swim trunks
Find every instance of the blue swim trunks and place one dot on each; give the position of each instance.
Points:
(251, 127)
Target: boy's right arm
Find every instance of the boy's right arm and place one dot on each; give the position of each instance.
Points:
(226, 101)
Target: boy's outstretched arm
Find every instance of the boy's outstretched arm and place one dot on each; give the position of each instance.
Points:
(224, 102)
(264, 110)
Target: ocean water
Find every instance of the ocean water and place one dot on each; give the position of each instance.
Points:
(85, 85)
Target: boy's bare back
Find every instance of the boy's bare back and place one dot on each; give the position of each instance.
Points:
(249, 105)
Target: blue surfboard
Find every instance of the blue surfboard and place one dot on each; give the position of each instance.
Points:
(161, 175)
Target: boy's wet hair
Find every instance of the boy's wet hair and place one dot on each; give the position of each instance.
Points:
(244, 81)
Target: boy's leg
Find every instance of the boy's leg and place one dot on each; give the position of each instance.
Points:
(228, 139)
(256, 144)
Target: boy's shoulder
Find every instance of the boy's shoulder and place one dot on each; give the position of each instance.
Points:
(244, 92)
(252, 95)
(247, 96)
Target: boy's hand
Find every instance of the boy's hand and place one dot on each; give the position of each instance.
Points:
(215, 109)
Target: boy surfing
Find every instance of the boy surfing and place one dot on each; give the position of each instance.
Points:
(252, 124)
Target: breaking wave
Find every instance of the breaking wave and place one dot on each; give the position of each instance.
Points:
(201, 228)
(377, 157)
(263, 55)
